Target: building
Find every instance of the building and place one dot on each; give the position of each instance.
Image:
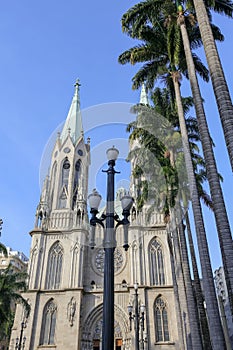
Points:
(66, 276)
(18, 260)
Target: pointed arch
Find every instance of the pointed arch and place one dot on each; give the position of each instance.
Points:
(48, 323)
(75, 263)
(32, 267)
(156, 262)
(92, 324)
(161, 320)
(54, 266)
(53, 181)
(63, 191)
(76, 184)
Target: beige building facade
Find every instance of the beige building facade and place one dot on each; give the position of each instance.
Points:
(66, 276)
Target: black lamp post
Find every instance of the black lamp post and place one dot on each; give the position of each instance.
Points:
(137, 314)
(20, 342)
(109, 243)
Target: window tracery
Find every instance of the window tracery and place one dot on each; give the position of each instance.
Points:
(48, 324)
(161, 320)
(157, 275)
(54, 269)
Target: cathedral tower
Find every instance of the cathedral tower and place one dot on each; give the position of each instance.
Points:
(66, 276)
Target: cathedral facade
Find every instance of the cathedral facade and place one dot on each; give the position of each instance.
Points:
(65, 288)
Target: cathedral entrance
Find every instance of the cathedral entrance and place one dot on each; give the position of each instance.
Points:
(92, 330)
(98, 332)
(97, 344)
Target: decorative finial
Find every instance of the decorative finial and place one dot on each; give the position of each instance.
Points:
(77, 84)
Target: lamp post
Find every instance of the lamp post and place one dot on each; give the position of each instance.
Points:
(20, 342)
(137, 314)
(109, 243)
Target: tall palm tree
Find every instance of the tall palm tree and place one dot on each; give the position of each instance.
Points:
(220, 86)
(215, 327)
(164, 103)
(224, 231)
(129, 18)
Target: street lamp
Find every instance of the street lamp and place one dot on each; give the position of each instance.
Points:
(109, 243)
(20, 342)
(137, 314)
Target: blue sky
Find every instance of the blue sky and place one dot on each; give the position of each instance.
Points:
(45, 46)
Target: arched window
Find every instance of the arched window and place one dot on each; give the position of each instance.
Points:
(48, 324)
(76, 185)
(54, 268)
(63, 193)
(161, 320)
(157, 275)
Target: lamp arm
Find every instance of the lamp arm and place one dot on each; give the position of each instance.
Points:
(94, 220)
(92, 243)
(125, 222)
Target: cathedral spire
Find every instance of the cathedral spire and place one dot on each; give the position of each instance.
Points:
(73, 125)
(143, 96)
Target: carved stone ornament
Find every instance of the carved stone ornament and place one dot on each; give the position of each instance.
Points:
(71, 309)
(99, 260)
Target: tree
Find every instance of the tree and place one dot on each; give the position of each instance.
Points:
(219, 83)
(224, 231)
(11, 284)
(142, 130)
(136, 23)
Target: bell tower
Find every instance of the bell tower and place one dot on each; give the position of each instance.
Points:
(59, 241)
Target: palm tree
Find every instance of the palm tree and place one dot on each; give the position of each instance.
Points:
(215, 327)
(128, 23)
(164, 103)
(11, 284)
(220, 87)
(224, 231)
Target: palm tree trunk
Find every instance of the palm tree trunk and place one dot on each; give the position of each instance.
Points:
(197, 288)
(220, 87)
(221, 218)
(215, 327)
(192, 306)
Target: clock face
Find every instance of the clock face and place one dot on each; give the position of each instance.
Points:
(80, 152)
(99, 260)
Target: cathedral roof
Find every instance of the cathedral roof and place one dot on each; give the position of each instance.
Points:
(73, 124)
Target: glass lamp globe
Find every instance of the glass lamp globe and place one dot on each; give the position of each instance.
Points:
(94, 199)
(126, 202)
(112, 153)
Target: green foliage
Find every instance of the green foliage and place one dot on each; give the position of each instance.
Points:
(11, 285)
(155, 24)
(160, 172)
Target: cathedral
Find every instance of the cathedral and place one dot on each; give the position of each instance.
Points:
(65, 287)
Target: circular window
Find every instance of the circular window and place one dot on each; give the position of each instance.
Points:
(99, 260)
(80, 152)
